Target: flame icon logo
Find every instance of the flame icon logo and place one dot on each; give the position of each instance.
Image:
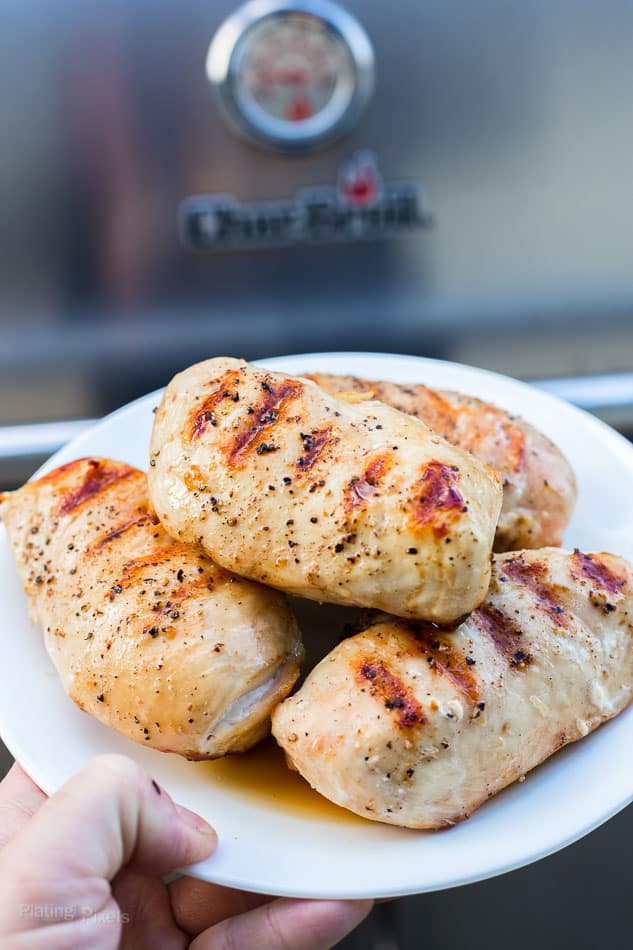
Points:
(359, 182)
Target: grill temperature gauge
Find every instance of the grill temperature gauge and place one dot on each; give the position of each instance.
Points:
(291, 76)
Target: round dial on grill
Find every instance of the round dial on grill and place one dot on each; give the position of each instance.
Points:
(291, 75)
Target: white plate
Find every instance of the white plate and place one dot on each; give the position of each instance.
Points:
(276, 835)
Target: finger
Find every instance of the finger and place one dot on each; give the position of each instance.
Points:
(20, 798)
(110, 815)
(197, 905)
(284, 923)
(146, 917)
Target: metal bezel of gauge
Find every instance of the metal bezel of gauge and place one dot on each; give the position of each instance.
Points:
(227, 58)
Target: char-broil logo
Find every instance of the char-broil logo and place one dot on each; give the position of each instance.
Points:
(360, 207)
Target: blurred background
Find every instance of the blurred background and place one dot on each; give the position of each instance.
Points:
(514, 122)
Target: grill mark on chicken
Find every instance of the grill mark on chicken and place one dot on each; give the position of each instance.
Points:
(505, 636)
(132, 569)
(144, 518)
(203, 415)
(439, 495)
(391, 691)
(313, 446)
(596, 570)
(531, 575)
(362, 488)
(99, 476)
(441, 414)
(57, 473)
(261, 419)
(434, 644)
(171, 608)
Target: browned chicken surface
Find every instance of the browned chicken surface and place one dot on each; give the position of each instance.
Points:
(147, 635)
(415, 725)
(351, 504)
(539, 488)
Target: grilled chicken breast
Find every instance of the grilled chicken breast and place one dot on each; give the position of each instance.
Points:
(147, 635)
(415, 725)
(348, 504)
(539, 488)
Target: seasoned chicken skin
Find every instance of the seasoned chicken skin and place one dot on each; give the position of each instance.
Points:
(348, 504)
(415, 725)
(539, 488)
(147, 635)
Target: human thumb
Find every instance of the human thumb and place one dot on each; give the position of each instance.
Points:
(110, 815)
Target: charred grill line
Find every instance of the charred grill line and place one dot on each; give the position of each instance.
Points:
(98, 477)
(444, 660)
(503, 634)
(263, 419)
(391, 691)
(597, 571)
(121, 529)
(204, 416)
(313, 446)
(438, 495)
(362, 488)
(532, 576)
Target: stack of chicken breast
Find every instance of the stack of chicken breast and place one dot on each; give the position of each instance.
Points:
(162, 596)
